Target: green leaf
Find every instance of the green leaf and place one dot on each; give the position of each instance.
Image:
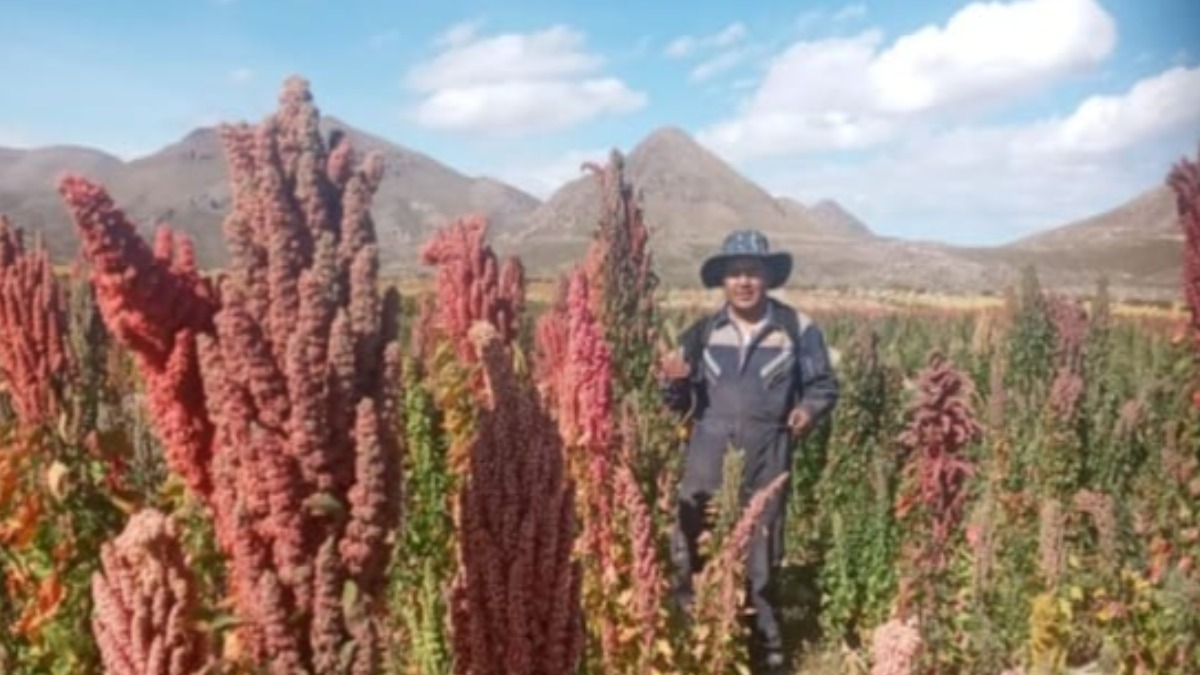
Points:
(351, 598)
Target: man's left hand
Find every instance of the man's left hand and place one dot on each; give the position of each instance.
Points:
(798, 421)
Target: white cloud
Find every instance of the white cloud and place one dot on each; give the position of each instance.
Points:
(522, 106)
(688, 45)
(827, 75)
(810, 19)
(813, 97)
(995, 183)
(991, 50)
(722, 62)
(643, 46)
(851, 12)
(1154, 107)
(515, 83)
(784, 133)
(964, 196)
(1160, 107)
(384, 39)
(681, 46)
(719, 52)
(852, 92)
(732, 34)
(241, 76)
(458, 34)
(551, 53)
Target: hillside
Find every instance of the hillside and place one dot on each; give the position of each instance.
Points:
(1137, 245)
(835, 218)
(186, 185)
(27, 193)
(691, 199)
(690, 196)
(1150, 215)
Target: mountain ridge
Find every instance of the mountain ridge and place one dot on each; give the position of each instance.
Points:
(690, 196)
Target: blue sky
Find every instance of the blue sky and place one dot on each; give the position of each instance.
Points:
(966, 122)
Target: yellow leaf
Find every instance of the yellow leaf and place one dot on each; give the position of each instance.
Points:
(124, 505)
(1106, 614)
(625, 597)
(56, 479)
(664, 648)
(1075, 593)
(1064, 607)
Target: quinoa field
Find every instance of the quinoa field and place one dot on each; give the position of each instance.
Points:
(294, 465)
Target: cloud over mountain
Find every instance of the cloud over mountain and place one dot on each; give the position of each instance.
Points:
(516, 83)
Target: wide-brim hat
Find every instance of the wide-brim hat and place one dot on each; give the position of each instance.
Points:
(747, 244)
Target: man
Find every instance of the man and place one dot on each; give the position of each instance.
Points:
(754, 376)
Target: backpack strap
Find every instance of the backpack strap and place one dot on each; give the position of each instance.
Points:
(794, 323)
(791, 320)
(694, 339)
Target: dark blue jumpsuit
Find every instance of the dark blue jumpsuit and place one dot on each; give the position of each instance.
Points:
(741, 398)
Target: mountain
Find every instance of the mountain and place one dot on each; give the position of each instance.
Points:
(690, 198)
(1150, 215)
(419, 194)
(185, 184)
(1137, 245)
(27, 193)
(835, 218)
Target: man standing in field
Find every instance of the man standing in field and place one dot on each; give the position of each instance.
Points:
(754, 376)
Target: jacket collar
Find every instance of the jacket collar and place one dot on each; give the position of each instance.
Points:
(723, 315)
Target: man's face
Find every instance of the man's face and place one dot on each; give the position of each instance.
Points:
(745, 282)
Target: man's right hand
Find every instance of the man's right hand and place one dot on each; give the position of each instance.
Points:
(672, 365)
